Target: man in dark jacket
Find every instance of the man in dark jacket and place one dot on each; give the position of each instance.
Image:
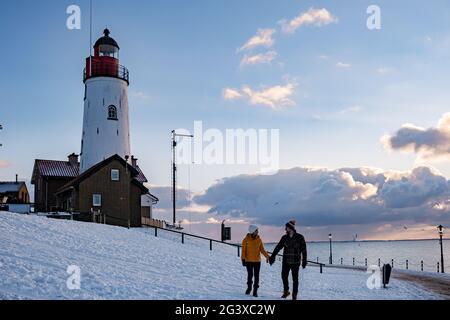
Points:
(294, 256)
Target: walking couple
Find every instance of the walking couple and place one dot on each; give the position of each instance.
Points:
(294, 256)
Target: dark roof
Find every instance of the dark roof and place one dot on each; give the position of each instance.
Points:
(64, 169)
(56, 169)
(106, 40)
(100, 165)
(141, 176)
(10, 187)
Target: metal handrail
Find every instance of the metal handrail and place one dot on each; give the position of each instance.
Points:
(107, 70)
(184, 234)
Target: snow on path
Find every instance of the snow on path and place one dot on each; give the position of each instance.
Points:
(118, 263)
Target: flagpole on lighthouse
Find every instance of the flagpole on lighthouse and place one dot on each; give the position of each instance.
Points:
(90, 37)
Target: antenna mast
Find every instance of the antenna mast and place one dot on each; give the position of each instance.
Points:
(90, 38)
(174, 172)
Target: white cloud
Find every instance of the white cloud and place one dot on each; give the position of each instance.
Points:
(314, 17)
(384, 70)
(432, 143)
(263, 38)
(274, 97)
(343, 65)
(258, 58)
(353, 109)
(231, 94)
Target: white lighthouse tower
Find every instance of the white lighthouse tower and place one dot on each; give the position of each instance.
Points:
(106, 130)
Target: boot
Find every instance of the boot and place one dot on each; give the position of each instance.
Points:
(285, 294)
(255, 292)
(249, 290)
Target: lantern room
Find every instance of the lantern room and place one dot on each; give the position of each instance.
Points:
(105, 62)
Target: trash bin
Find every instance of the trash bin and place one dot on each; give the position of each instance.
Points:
(387, 270)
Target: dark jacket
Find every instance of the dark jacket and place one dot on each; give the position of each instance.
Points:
(294, 249)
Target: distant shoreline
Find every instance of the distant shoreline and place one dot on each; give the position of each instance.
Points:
(366, 241)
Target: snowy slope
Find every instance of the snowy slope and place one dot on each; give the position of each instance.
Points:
(117, 263)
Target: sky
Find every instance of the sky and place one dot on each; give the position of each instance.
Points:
(364, 139)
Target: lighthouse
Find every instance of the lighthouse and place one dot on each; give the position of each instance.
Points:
(106, 130)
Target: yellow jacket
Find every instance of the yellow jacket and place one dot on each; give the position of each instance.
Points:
(252, 249)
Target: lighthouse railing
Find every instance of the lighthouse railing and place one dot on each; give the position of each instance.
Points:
(107, 70)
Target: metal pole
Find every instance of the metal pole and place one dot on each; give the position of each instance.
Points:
(174, 178)
(331, 250)
(442, 253)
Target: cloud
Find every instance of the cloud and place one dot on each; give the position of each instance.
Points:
(231, 94)
(343, 65)
(314, 17)
(275, 97)
(258, 58)
(164, 194)
(4, 164)
(353, 109)
(263, 38)
(323, 197)
(384, 70)
(432, 143)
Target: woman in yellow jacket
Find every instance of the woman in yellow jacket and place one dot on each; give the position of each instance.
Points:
(252, 248)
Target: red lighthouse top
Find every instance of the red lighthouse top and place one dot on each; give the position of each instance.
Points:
(105, 62)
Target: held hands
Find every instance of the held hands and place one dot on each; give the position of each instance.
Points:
(304, 264)
(244, 264)
(272, 260)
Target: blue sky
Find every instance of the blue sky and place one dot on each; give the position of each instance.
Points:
(352, 85)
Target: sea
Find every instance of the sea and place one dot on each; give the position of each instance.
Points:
(408, 254)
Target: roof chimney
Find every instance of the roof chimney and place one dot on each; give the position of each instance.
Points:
(134, 161)
(73, 159)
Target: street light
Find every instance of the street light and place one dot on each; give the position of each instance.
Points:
(441, 234)
(330, 236)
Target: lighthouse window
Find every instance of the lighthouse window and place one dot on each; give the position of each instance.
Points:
(112, 113)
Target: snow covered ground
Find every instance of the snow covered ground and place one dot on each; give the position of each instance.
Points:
(118, 263)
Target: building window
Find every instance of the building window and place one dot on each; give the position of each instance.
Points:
(112, 113)
(115, 176)
(97, 200)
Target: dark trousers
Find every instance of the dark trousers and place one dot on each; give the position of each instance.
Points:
(253, 269)
(295, 268)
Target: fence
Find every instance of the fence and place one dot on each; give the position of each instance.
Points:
(405, 264)
(212, 241)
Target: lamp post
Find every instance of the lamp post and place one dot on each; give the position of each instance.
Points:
(441, 234)
(330, 236)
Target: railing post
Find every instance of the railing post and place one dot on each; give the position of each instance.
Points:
(421, 265)
(317, 259)
(438, 268)
(182, 238)
(392, 262)
(321, 268)
(210, 245)
(366, 262)
(379, 262)
(156, 232)
(239, 252)
(342, 261)
(407, 264)
(353, 261)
